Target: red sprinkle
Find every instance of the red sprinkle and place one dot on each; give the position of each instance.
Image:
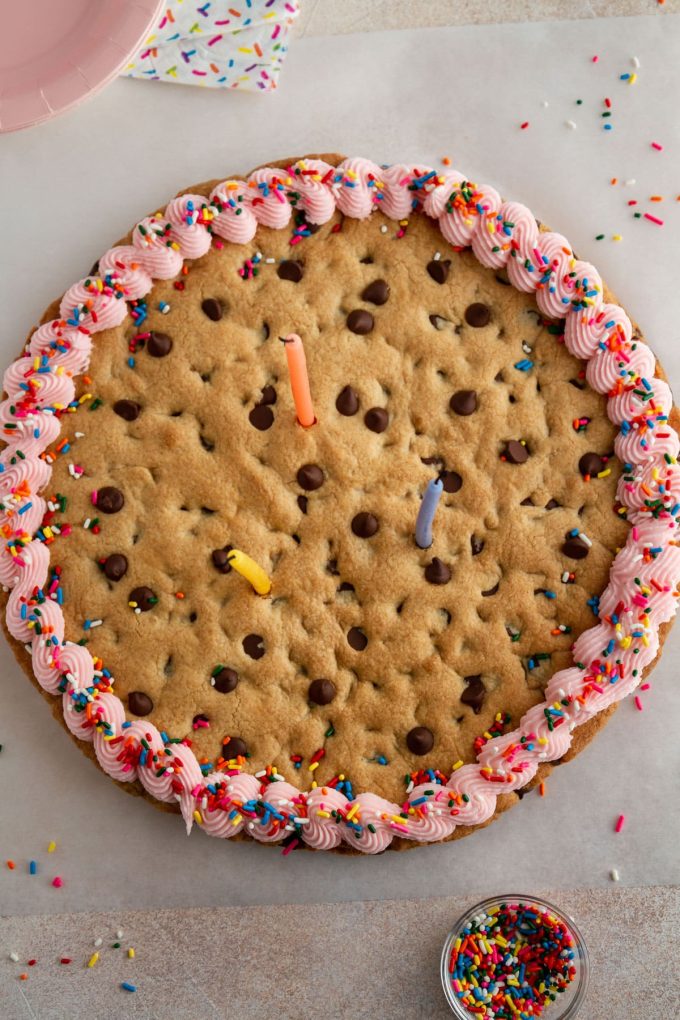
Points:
(657, 146)
(525, 125)
(620, 823)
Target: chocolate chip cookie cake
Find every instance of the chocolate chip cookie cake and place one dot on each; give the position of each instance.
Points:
(339, 504)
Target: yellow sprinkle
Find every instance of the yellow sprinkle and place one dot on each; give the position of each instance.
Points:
(51, 847)
(85, 396)
(543, 740)
(324, 814)
(615, 237)
(632, 79)
(131, 953)
(236, 819)
(93, 959)
(352, 811)
(313, 766)
(501, 941)
(458, 765)
(198, 818)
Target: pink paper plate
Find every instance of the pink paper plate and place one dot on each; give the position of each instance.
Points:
(55, 53)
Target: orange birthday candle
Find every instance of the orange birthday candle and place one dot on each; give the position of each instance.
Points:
(299, 380)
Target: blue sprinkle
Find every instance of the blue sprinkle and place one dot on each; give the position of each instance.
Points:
(32, 868)
(128, 987)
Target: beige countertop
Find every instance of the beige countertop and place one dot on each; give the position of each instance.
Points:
(338, 17)
(331, 960)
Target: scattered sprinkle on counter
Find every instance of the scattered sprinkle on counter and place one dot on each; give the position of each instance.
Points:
(511, 961)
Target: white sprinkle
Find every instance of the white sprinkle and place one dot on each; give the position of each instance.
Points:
(630, 183)
(584, 538)
(98, 942)
(545, 104)
(119, 933)
(258, 255)
(614, 875)
(262, 772)
(79, 435)
(383, 229)
(436, 257)
(270, 262)
(571, 124)
(137, 610)
(565, 577)
(96, 623)
(87, 523)
(526, 348)
(14, 957)
(635, 61)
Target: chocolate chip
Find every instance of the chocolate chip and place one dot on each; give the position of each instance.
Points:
(364, 525)
(310, 477)
(367, 260)
(347, 402)
(346, 586)
(234, 747)
(377, 292)
(262, 417)
(420, 740)
(575, 548)
(332, 568)
(303, 503)
(528, 501)
(220, 558)
(268, 395)
(438, 321)
(476, 544)
(356, 639)
(515, 452)
(158, 344)
(144, 598)
(491, 591)
(439, 269)
(591, 464)
(464, 402)
(431, 460)
(225, 681)
(95, 268)
(477, 315)
(437, 572)
(290, 270)
(212, 308)
(552, 504)
(376, 419)
(115, 566)
(321, 692)
(253, 645)
(360, 321)
(110, 500)
(451, 481)
(127, 409)
(474, 693)
(140, 703)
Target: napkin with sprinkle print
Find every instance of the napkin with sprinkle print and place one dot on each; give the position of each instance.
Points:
(228, 44)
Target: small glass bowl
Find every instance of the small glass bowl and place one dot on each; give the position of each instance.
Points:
(567, 1004)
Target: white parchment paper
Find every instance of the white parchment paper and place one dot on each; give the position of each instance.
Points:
(71, 187)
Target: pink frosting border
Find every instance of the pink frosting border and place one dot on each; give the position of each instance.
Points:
(609, 658)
